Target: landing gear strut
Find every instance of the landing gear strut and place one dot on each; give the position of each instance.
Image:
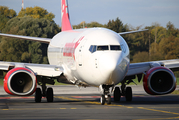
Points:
(45, 92)
(105, 97)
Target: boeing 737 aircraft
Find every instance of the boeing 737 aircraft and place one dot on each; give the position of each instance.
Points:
(96, 57)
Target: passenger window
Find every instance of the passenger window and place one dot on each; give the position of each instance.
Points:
(115, 47)
(102, 48)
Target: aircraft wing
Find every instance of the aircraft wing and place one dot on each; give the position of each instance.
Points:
(38, 69)
(39, 39)
(139, 68)
(123, 33)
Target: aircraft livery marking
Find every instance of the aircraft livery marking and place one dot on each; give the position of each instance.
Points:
(69, 49)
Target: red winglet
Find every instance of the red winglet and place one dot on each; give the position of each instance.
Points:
(66, 25)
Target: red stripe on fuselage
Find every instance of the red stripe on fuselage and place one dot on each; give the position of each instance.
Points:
(69, 49)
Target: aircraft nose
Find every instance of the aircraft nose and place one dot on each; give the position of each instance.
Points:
(109, 65)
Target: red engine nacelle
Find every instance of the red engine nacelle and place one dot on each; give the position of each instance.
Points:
(20, 81)
(159, 81)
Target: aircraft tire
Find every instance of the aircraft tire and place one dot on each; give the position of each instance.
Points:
(117, 94)
(108, 100)
(128, 94)
(49, 95)
(102, 100)
(38, 95)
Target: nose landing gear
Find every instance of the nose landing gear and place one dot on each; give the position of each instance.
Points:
(125, 91)
(105, 97)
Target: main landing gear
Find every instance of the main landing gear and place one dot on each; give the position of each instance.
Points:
(48, 94)
(125, 91)
(45, 92)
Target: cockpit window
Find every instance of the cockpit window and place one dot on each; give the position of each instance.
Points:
(102, 47)
(92, 48)
(115, 47)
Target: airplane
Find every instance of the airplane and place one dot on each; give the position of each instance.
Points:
(96, 57)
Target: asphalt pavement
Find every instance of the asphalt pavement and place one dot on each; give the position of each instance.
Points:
(74, 103)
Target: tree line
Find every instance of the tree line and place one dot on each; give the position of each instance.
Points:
(158, 43)
(36, 22)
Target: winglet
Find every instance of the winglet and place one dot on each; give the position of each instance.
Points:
(65, 19)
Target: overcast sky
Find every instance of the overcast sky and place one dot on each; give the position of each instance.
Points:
(131, 12)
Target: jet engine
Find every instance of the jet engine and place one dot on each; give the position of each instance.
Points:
(159, 81)
(20, 81)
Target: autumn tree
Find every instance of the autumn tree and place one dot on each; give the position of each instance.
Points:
(36, 12)
(169, 47)
(12, 49)
(5, 15)
(155, 52)
(171, 30)
(158, 32)
(94, 24)
(9, 13)
(116, 25)
(141, 57)
(87, 25)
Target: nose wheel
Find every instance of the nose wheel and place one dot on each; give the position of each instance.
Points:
(108, 99)
(105, 98)
(125, 91)
(102, 99)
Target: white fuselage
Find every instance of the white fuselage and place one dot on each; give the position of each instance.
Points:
(95, 56)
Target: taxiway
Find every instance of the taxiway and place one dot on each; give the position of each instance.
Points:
(73, 103)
